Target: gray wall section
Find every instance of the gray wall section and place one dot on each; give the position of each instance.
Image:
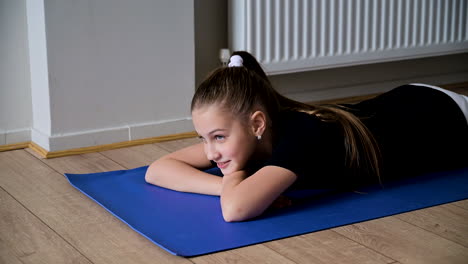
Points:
(15, 88)
(211, 35)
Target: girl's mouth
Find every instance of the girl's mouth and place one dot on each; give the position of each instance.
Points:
(222, 165)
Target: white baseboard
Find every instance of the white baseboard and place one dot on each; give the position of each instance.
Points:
(40, 139)
(15, 136)
(87, 138)
(161, 129)
(83, 139)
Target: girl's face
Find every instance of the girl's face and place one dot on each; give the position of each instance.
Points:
(228, 141)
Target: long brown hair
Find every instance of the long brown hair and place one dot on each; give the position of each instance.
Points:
(241, 89)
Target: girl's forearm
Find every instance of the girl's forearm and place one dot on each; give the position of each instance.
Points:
(233, 199)
(179, 176)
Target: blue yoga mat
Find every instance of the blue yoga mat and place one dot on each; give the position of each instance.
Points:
(187, 224)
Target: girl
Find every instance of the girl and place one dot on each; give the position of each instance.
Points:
(265, 143)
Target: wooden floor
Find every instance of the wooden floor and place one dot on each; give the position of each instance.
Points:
(43, 219)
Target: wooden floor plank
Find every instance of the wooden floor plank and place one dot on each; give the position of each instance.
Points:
(448, 221)
(462, 204)
(405, 242)
(326, 247)
(84, 163)
(136, 156)
(25, 239)
(6, 256)
(93, 231)
(251, 255)
(174, 145)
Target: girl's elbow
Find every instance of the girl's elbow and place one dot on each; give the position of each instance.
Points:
(150, 176)
(236, 213)
(231, 215)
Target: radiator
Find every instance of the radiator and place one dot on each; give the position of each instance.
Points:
(301, 35)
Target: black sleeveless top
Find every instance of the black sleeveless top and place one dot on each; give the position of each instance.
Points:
(418, 130)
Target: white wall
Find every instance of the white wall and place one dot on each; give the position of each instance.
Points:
(115, 70)
(39, 77)
(15, 92)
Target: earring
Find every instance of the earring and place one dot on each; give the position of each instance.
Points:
(259, 137)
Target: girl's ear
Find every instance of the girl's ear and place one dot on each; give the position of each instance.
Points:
(258, 122)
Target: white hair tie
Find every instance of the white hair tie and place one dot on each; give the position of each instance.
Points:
(236, 61)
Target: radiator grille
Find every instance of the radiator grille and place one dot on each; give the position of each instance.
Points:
(300, 35)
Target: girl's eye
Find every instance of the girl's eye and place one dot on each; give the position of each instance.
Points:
(218, 137)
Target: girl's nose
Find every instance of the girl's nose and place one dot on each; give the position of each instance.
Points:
(212, 153)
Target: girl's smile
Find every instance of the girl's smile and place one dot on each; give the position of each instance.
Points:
(222, 165)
